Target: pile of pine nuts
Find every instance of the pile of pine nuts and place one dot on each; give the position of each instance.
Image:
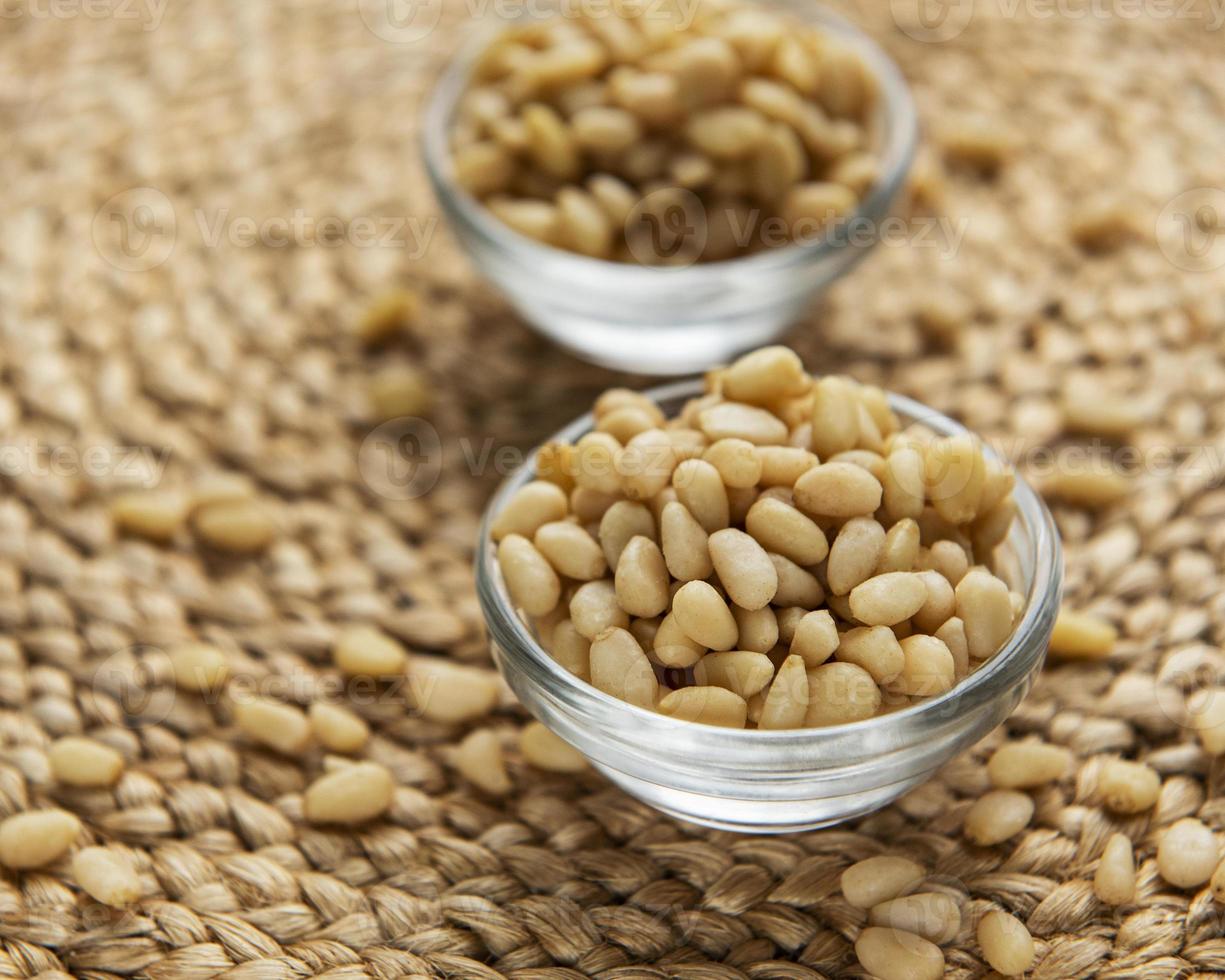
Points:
(782, 554)
(586, 132)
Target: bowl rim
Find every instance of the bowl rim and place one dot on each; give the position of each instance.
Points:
(1006, 669)
(900, 141)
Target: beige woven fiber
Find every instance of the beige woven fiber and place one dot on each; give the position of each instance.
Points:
(198, 202)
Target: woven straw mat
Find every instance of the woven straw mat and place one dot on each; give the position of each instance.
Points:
(1059, 142)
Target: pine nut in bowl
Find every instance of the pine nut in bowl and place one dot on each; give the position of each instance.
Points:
(672, 192)
(620, 573)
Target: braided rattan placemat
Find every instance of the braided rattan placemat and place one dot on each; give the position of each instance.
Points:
(1051, 250)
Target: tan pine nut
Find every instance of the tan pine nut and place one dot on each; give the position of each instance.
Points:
(530, 579)
(758, 629)
(449, 692)
(953, 634)
(479, 760)
(153, 514)
(483, 168)
(605, 129)
(991, 527)
(741, 671)
(551, 144)
(622, 521)
(594, 608)
(673, 648)
(615, 196)
(106, 876)
(840, 693)
(997, 816)
(939, 605)
(77, 761)
(788, 619)
(626, 422)
(570, 550)
(885, 600)
(555, 465)
(704, 617)
(535, 219)
(646, 464)
(1217, 883)
(835, 409)
(732, 420)
(687, 443)
(220, 485)
(727, 132)
(198, 667)
(641, 580)
(1128, 787)
(595, 463)
(1027, 765)
(875, 649)
(932, 915)
(867, 883)
(901, 549)
(764, 376)
(1093, 484)
(706, 705)
(815, 638)
(781, 466)
(1082, 636)
(337, 729)
(700, 489)
(352, 794)
(621, 669)
(854, 555)
(571, 649)
(1006, 944)
(654, 97)
(279, 726)
(1114, 882)
(954, 475)
(949, 559)
(787, 698)
(612, 399)
(780, 528)
(927, 667)
(1207, 716)
(685, 544)
(838, 490)
(903, 488)
(364, 651)
(546, 751)
(865, 459)
(891, 954)
(1187, 854)
(37, 838)
(737, 462)
(744, 568)
(241, 527)
(983, 605)
(796, 586)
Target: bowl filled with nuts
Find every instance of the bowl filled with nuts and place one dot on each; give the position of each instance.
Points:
(765, 601)
(659, 186)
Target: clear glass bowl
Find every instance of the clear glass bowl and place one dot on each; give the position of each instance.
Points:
(777, 781)
(670, 320)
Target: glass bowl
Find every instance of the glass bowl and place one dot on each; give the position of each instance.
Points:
(760, 781)
(670, 320)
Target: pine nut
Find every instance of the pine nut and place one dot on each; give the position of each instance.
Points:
(35, 839)
(364, 651)
(954, 475)
(546, 751)
(781, 466)
(594, 608)
(706, 705)
(939, 605)
(479, 760)
(1217, 883)
(641, 581)
(835, 409)
(839, 693)
(932, 915)
(279, 726)
(949, 559)
(740, 671)
(736, 460)
(571, 649)
(787, 698)
(337, 729)
(885, 600)
(1114, 882)
(605, 129)
(903, 490)
(875, 649)
(1093, 484)
(153, 514)
(764, 376)
(449, 692)
(1187, 854)
(1027, 765)
(744, 568)
(352, 794)
(1081, 636)
(483, 168)
(77, 761)
(106, 876)
(726, 132)
(646, 464)
(700, 489)
(620, 668)
(570, 550)
(892, 954)
(901, 549)
(703, 616)
(854, 554)
(952, 634)
(927, 668)
(685, 544)
(983, 605)
(780, 528)
(198, 667)
(672, 647)
(757, 628)
(241, 527)
(839, 490)
(1128, 787)
(997, 816)
(867, 883)
(731, 420)
(551, 145)
(815, 638)
(622, 521)
(595, 463)
(1006, 944)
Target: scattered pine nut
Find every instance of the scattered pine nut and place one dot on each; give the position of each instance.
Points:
(1081, 636)
(337, 729)
(892, 954)
(272, 723)
(544, 750)
(479, 760)
(932, 915)
(364, 651)
(387, 316)
(399, 391)
(106, 876)
(1207, 717)
(36, 838)
(1128, 787)
(1114, 882)
(997, 816)
(241, 527)
(879, 879)
(450, 692)
(77, 761)
(153, 514)
(1027, 765)
(1188, 854)
(351, 794)
(198, 667)
(1006, 944)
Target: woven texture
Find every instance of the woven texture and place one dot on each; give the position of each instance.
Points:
(221, 354)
